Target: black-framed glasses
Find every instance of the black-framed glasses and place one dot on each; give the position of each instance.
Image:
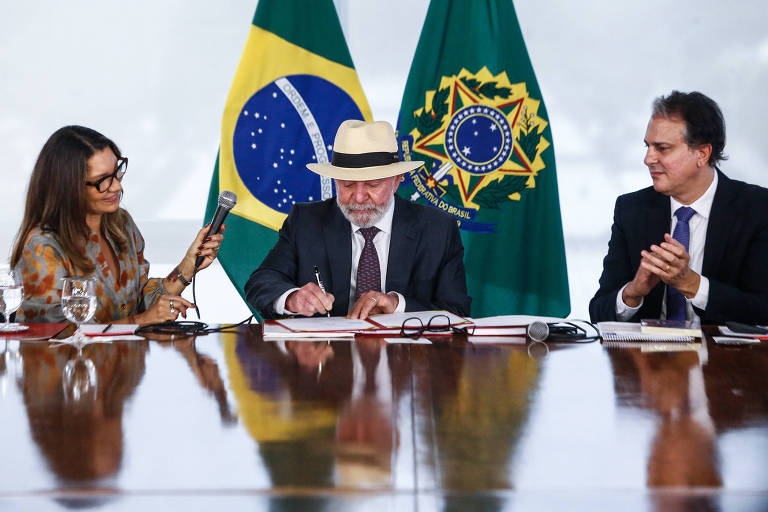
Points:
(102, 184)
(413, 327)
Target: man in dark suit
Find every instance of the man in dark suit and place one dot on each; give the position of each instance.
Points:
(713, 265)
(374, 252)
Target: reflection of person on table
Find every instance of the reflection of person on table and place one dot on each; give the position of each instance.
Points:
(376, 252)
(83, 440)
(683, 452)
(365, 429)
(477, 400)
(205, 370)
(73, 225)
(297, 400)
(288, 402)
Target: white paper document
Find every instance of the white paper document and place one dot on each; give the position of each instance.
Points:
(278, 331)
(324, 324)
(108, 329)
(513, 320)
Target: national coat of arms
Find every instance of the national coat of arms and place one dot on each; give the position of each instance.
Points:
(481, 139)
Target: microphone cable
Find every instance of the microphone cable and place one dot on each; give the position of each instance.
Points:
(187, 327)
(194, 297)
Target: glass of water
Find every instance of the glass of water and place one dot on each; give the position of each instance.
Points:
(78, 301)
(11, 293)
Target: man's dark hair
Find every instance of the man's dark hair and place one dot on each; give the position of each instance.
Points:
(703, 120)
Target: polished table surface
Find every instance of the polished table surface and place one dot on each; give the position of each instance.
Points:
(233, 422)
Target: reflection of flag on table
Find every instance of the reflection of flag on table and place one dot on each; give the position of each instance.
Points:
(472, 110)
(294, 86)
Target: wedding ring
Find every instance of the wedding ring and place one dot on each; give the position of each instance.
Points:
(171, 308)
(373, 299)
(667, 269)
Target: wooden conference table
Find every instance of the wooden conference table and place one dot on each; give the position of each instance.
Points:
(229, 422)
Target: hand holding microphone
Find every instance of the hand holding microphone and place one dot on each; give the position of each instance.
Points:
(227, 201)
(204, 248)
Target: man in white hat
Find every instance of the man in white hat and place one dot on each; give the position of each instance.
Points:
(373, 251)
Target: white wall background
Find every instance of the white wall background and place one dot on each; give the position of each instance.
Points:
(154, 75)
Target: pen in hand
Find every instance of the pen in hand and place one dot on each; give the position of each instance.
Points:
(320, 284)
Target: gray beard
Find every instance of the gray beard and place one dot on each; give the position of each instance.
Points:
(353, 214)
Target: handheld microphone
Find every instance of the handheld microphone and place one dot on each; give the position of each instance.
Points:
(227, 201)
(561, 331)
(538, 330)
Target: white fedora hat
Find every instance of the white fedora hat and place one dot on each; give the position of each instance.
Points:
(364, 151)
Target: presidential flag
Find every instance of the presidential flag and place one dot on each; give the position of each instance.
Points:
(294, 86)
(473, 111)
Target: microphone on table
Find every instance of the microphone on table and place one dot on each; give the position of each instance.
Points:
(564, 330)
(227, 201)
(538, 330)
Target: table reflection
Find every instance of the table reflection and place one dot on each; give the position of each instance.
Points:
(327, 404)
(366, 434)
(347, 425)
(683, 451)
(205, 370)
(479, 398)
(10, 364)
(74, 404)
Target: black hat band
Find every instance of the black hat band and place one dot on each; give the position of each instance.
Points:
(358, 160)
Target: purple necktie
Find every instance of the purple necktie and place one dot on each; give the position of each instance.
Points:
(368, 271)
(675, 300)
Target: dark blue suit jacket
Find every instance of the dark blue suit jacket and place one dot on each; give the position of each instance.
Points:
(735, 254)
(425, 258)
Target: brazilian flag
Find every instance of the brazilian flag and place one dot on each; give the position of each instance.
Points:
(294, 86)
(473, 112)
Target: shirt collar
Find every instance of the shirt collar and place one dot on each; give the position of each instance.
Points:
(385, 222)
(702, 205)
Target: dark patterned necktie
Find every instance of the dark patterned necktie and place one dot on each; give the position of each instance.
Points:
(675, 300)
(368, 271)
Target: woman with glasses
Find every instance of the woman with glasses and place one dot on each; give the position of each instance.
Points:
(73, 225)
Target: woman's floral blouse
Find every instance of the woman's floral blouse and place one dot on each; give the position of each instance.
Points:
(43, 264)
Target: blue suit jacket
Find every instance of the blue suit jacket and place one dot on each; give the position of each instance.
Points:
(425, 258)
(735, 254)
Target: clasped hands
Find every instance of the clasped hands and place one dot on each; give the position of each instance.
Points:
(667, 262)
(310, 299)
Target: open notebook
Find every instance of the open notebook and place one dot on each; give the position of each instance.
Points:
(628, 331)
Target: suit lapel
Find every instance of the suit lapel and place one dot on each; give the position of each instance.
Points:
(338, 247)
(721, 221)
(402, 245)
(658, 218)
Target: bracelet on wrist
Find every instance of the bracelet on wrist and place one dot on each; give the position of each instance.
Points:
(181, 277)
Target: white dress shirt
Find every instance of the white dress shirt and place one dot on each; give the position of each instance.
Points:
(698, 228)
(380, 242)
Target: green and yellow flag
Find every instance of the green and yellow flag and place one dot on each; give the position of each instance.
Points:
(473, 111)
(294, 86)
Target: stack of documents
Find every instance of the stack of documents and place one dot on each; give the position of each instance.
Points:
(495, 329)
(342, 327)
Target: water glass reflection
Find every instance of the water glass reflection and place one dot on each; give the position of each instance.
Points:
(79, 380)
